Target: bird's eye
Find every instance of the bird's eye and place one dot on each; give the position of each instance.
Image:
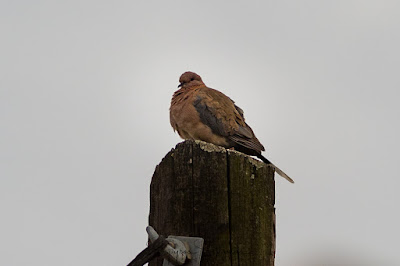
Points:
(192, 79)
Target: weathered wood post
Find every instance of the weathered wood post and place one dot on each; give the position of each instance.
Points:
(223, 196)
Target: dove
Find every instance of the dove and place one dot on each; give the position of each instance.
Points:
(198, 112)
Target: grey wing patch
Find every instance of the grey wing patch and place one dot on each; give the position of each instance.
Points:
(208, 118)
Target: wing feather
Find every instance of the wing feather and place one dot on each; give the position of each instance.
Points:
(226, 119)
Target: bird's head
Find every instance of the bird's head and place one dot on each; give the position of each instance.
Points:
(190, 79)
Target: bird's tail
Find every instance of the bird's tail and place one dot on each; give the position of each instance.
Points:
(279, 171)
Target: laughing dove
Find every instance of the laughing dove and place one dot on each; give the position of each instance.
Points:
(201, 113)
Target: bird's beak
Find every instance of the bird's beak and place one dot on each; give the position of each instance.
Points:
(180, 85)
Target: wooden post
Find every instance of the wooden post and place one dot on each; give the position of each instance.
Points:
(223, 196)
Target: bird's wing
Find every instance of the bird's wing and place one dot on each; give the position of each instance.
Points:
(225, 119)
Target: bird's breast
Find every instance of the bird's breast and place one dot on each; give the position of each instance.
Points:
(186, 120)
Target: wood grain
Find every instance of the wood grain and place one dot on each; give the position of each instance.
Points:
(223, 196)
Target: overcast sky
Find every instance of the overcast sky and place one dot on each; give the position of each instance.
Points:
(85, 88)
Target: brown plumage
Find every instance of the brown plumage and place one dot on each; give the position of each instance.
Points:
(201, 113)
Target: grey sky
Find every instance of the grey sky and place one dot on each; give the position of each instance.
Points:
(85, 88)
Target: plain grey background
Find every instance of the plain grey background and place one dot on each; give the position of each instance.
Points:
(85, 88)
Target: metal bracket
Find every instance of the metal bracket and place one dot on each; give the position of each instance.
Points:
(180, 250)
(195, 247)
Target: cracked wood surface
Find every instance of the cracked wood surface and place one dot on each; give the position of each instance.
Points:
(223, 196)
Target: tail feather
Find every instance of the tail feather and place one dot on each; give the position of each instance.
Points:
(279, 171)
